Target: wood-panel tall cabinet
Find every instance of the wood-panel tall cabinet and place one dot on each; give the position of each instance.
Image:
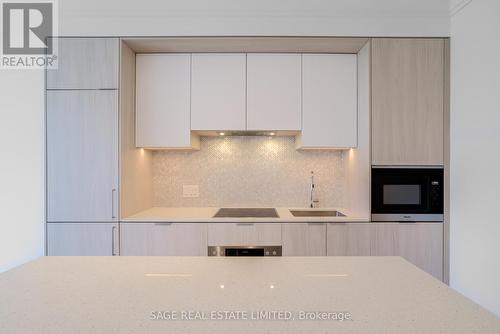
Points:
(408, 101)
(82, 148)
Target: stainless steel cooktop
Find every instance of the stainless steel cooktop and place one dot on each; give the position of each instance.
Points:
(246, 213)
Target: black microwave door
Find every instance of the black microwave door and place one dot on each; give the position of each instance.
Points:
(396, 192)
(402, 198)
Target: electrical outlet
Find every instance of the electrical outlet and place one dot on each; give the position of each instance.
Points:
(191, 190)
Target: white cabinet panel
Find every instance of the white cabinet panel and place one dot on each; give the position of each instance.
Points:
(242, 234)
(274, 92)
(163, 101)
(162, 239)
(82, 155)
(218, 96)
(304, 239)
(85, 63)
(82, 239)
(329, 97)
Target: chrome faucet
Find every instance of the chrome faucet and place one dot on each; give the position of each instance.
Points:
(313, 201)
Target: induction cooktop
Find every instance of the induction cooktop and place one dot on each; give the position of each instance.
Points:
(246, 213)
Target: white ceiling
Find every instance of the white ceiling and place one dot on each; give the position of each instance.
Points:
(255, 17)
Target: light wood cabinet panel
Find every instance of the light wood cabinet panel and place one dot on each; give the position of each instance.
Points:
(163, 239)
(85, 63)
(218, 91)
(407, 101)
(274, 92)
(82, 155)
(329, 101)
(349, 239)
(304, 239)
(82, 239)
(422, 245)
(163, 101)
(385, 239)
(243, 234)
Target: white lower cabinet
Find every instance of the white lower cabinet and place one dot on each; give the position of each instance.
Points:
(307, 239)
(419, 243)
(82, 239)
(163, 239)
(243, 234)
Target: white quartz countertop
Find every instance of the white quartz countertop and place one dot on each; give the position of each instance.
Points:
(121, 295)
(205, 214)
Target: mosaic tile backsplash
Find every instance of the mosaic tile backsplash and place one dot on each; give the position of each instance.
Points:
(248, 171)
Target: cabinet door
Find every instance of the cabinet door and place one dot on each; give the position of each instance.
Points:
(218, 91)
(385, 239)
(422, 245)
(329, 100)
(82, 239)
(274, 92)
(244, 234)
(304, 239)
(85, 63)
(173, 239)
(407, 101)
(82, 155)
(163, 101)
(349, 239)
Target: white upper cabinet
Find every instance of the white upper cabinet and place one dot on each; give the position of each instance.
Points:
(218, 96)
(274, 92)
(163, 101)
(329, 100)
(85, 63)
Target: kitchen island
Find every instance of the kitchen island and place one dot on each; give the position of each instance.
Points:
(233, 295)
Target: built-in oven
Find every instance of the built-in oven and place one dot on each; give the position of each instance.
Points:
(407, 194)
(244, 250)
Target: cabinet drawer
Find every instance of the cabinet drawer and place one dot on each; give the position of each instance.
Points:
(163, 239)
(243, 234)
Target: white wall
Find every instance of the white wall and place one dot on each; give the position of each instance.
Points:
(21, 102)
(475, 153)
(21, 167)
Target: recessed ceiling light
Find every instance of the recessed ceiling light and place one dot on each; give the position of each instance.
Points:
(272, 133)
(221, 133)
(271, 286)
(221, 286)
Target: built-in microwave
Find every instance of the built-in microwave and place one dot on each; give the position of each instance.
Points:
(407, 194)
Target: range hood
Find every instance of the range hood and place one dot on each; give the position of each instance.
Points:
(245, 133)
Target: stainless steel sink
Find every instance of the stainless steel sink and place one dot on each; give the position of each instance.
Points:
(316, 213)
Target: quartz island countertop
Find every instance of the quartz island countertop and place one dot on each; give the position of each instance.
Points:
(206, 214)
(233, 295)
